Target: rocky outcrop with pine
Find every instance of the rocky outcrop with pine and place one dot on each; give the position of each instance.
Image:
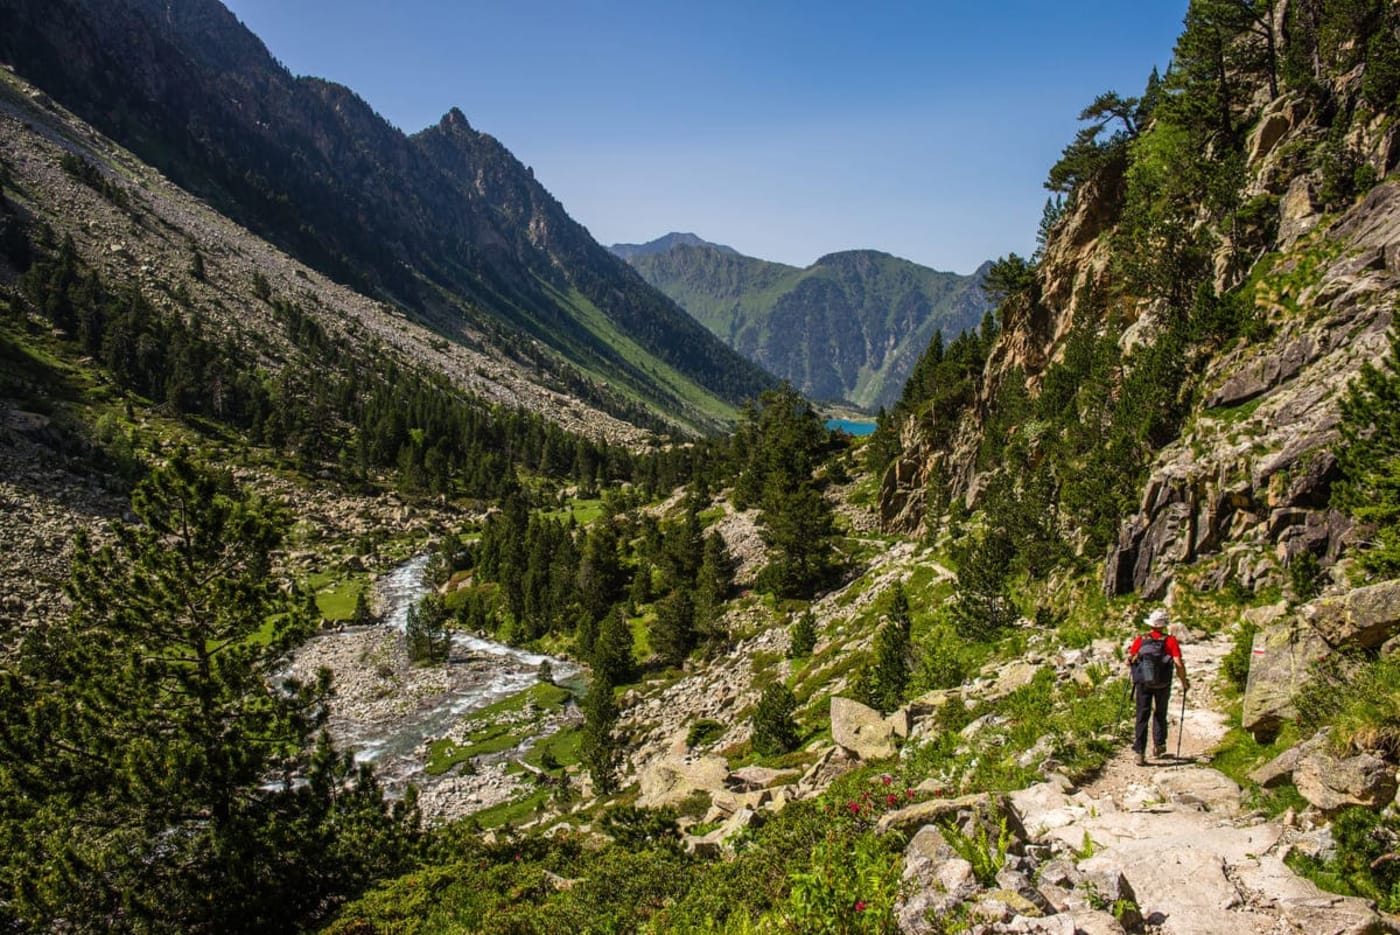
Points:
(1243, 488)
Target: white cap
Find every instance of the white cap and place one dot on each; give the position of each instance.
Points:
(1157, 620)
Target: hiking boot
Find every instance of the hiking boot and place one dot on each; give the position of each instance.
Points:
(1141, 760)
(1159, 752)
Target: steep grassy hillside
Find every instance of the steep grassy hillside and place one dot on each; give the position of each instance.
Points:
(446, 224)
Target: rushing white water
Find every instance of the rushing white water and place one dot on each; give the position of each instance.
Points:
(478, 673)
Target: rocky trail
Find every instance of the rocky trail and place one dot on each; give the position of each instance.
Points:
(1174, 839)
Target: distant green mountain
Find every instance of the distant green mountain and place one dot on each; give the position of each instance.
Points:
(661, 244)
(849, 327)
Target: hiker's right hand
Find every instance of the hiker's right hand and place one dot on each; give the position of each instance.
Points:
(1185, 685)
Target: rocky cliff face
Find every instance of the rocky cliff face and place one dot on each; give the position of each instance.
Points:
(847, 328)
(1243, 489)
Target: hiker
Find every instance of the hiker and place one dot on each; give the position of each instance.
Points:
(1150, 660)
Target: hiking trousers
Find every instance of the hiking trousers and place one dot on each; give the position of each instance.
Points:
(1151, 706)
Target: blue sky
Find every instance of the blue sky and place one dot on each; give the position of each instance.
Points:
(786, 130)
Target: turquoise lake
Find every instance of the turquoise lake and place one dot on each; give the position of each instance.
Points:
(851, 428)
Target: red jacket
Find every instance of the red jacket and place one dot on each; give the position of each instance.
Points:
(1173, 648)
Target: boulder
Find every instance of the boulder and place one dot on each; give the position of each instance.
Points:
(1011, 677)
(929, 703)
(861, 730)
(1095, 922)
(1279, 770)
(753, 778)
(1014, 881)
(1269, 130)
(1002, 906)
(670, 778)
(1297, 211)
(1333, 783)
(899, 722)
(1101, 884)
(936, 881)
(1206, 789)
(831, 763)
(1265, 372)
(1166, 541)
(985, 809)
(718, 841)
(1278, 665)
(1306, 908)
(1365, 617)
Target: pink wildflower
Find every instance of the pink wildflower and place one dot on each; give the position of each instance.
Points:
(860, 905)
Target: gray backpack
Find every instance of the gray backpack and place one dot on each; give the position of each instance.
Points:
(1153, 668)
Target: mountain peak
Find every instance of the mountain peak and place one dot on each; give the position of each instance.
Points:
(454, 119)
(666, 243)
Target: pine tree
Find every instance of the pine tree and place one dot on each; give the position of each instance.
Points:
(599, 749)
(149, 741)
(713, 583)
(804, 635)
(774, 730)
(1369, 458)
(362, 616)
(683, 546)
(612, 652)
(309, 606)
(425, 633)
(639, 592)
(798, 528)
(982, 607)
(600, 575)
(673, 633)
(881, 684)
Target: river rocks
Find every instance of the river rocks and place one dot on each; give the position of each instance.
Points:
(1332, 783)
(861, 730)
(1279, 660)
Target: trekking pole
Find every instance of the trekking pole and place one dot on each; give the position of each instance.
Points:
(1181, 728)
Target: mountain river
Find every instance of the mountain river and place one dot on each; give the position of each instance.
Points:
(387, 711)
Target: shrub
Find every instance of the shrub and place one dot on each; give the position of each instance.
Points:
(703, 731)
(1365, 863)
(1306, 577)
(986, 854)
(1235, 666)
